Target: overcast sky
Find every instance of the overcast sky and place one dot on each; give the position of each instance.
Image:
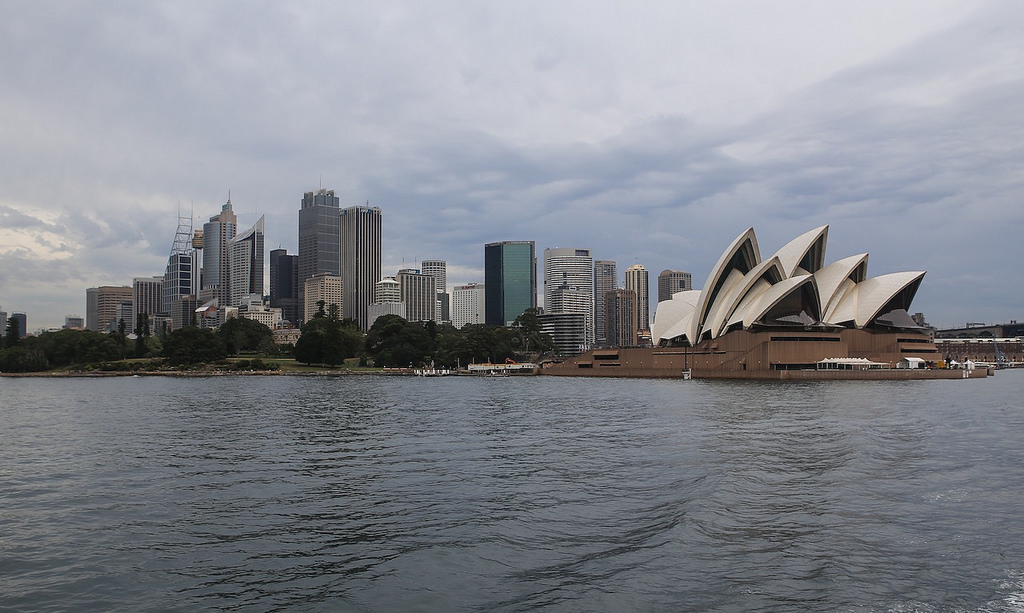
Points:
(652, 133)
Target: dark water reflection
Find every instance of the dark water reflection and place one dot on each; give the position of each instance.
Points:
(388, 494)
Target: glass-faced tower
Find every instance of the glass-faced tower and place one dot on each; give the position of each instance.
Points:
(510, 280)
(319, 237)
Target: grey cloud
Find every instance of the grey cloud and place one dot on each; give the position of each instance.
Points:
(469, 123)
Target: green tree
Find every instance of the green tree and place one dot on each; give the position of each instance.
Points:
(393, 341)
(325, 340)
(21, 358)
(528, 335)
(482, 343)
(73, 347)
(310, 346)
(142, 333)
(11, 338)
(191, 345)
(243, 334)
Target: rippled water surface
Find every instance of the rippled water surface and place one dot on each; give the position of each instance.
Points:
(367, 493)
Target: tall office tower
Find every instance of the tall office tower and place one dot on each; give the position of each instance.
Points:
(284, 284)
(569, 285)
(246, 255)
(322, 287)
(319, 238)
(672, 282)
(146, 296)
(468, 305)
(637, 280)
(419, 293)
(621, 323)
(510, 280)
(217, 235)
(567, 330)
(181, 277)
(3, 324)
(360, 260)
(606, 279)
(439, 270)
(102, 304)
(126, 314)
(21, 321)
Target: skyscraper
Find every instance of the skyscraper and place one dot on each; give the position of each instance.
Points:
(468, 304)
(360, 260)
(637, 280)
(319, 238)
(419, 294)
(606, 278)
(146, 296)
(621, 323)
(510, 280)
(102, 304)
(181, 277)
(284, 284)
(21, 321)
(245, 265)
(217, 235)
(439, 270)
(321, 288)
(567, 331)
(569, 286)
(672, 282)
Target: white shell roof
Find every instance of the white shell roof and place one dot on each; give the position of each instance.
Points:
(830, 278)
(846, 296)
(770, 268)
(745, 244)
(672, 318)
(868, 297)
(773, 296)
(794, 251)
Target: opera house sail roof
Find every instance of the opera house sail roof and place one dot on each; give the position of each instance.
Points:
(793, 288)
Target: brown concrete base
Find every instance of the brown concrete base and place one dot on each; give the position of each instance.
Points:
(767, 356)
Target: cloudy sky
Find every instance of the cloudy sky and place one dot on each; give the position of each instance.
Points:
(652, 133)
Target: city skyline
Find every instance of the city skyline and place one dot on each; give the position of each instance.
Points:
(648, 134)
(217, 246)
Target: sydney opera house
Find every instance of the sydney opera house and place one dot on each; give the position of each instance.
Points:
(788, 316)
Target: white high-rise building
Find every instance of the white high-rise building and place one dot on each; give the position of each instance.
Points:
(468, 306)
(419, 294)
(569, 285)
(388, 289)
(146, 295)
(637, 280)
(245, 265)
(439, 270)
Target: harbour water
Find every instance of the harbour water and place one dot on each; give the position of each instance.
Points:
(369, 493)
